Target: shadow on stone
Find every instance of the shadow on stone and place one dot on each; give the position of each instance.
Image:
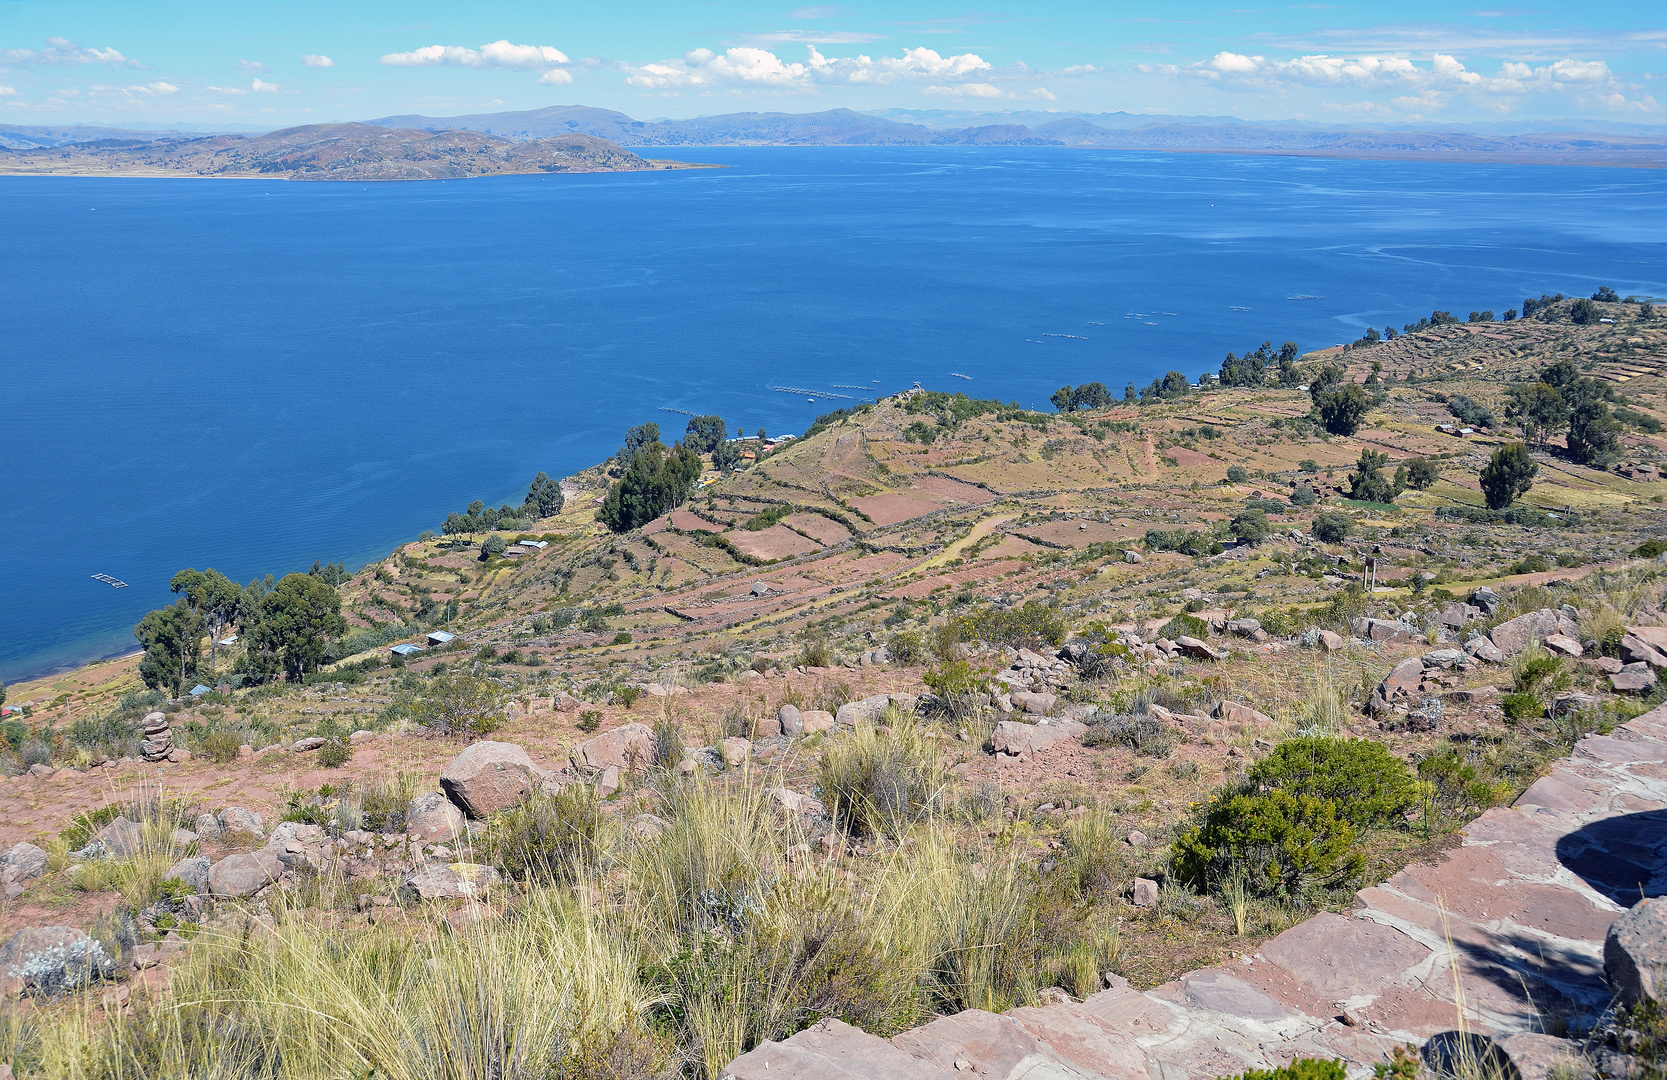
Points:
(1625, 858)
(1468, 1056)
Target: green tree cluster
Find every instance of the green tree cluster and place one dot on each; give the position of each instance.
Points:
(544, 497)
(1367, 482)
(1508, 475)
(656, 479)
(1172, 386)
(1339, 403)
(1082, 398)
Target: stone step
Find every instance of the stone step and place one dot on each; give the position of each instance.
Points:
(833, 1050)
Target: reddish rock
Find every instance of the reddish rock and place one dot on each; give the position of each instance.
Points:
(1145, 892)
(1233, 712)
(1036, 704)
(489, 777)
(1635, 952)
(1635, 650)
(1633, 679)
(434, 818)
(243, 875)
(631, 746)
(1404, 679)
(1014, 737)
(1562, 643)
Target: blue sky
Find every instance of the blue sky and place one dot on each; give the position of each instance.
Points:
(258, 63)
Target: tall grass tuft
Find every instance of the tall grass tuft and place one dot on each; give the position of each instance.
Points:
(878, 783)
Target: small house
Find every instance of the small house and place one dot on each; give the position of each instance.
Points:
(440, 638)
(536, 545)
(406, 650)
(199, 690)
(228, 641)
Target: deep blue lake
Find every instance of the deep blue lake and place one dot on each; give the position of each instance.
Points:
(253, 374)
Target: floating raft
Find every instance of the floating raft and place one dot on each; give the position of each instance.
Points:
(814, 393)
(114, 583)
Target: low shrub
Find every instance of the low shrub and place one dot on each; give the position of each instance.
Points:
(589, 720)
(1140, 732)
(817, 653)
(219, 746)
(628, 695)
(1033, 625)
(550, 837)
(1284, 844)
(1092, 863)
(1369, 785)
(1300, 1069)
(334, 753)
(908, 647)
(877, 784)
(1184, 625)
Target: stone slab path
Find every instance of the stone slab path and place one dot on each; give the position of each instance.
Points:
(1513, 922)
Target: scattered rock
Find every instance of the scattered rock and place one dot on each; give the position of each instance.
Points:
(244, 875)
(816, 720)
(1382, 630)
(769, 728)
(1200, 650)
(608, 782)
(1635, 952)
(490, 776)
(1564, 644)
(238, 819)
(795, 803)
(1033, 703)
(1053, 995)
(193, 871)
(1138, 839)
(1635, 650)
(1486, 600)
(1133, 557)
(40, 771)
(1445, 658)
(434, 817)
(450, 881)
(1330, 641)
(1481, 648)
(1404, 679)
(52, 960)
(1633, 679)
(631, 746)
(208, 827)
(1563, 704)
(1145, 892)
(868, 709)
(1541, 1057)
(121, 838)
(311, 742)
(1013, 737)
(183, 837)
(1246, 627)
(1243, 714)
(1515, 636)
(791, 722)
(736, 750)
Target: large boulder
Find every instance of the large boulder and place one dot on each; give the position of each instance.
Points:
(490, 776)
(1514, 636)
(1636, 650)
(434, 818)
(1635, 952)
(450, 881)
(1233, 712)
(1036, 704)
(1653, 636)
(193, 871)
(1200, 650)
(244, 875)
(239, 819)
(1403, 679)
(631, 746)
(1633, 679)
(1480, 648)
(869, 708)
(1014, 738)
(208, 827)
(791, 722)
(1382, 630)
(51, 960)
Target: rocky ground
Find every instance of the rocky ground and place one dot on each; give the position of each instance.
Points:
(1101, 678)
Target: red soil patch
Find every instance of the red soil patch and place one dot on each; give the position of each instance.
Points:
(982, 571)
(1072, 534)
(689, 521)
(1012, 547)
(890, 509)
(940, 487)
(1188, 458)
(776, 542)
(825, 530)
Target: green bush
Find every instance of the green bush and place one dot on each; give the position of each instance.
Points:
(1300, 1069)
(908, 647)
(1184, 625)
(219, 746)
(1284, 844)
(1236, 474)
(589, 720)
(1140, 732)
(1522, 705)
(1035, 624)
(817, 653)
(550, 837)
(1369, 785)
(334, 754)
(1332, 526)
(628, 695)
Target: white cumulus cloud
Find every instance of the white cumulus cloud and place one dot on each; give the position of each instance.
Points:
(746, 65)
(6, 91)
(318, 60)
(64, 51)
(251, 65)
(502, 54)
(260, 87)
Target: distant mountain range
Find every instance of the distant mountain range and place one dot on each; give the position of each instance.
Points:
(1595, 143)
(329, 152)
(843, 127)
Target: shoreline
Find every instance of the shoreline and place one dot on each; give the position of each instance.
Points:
(659, 165)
